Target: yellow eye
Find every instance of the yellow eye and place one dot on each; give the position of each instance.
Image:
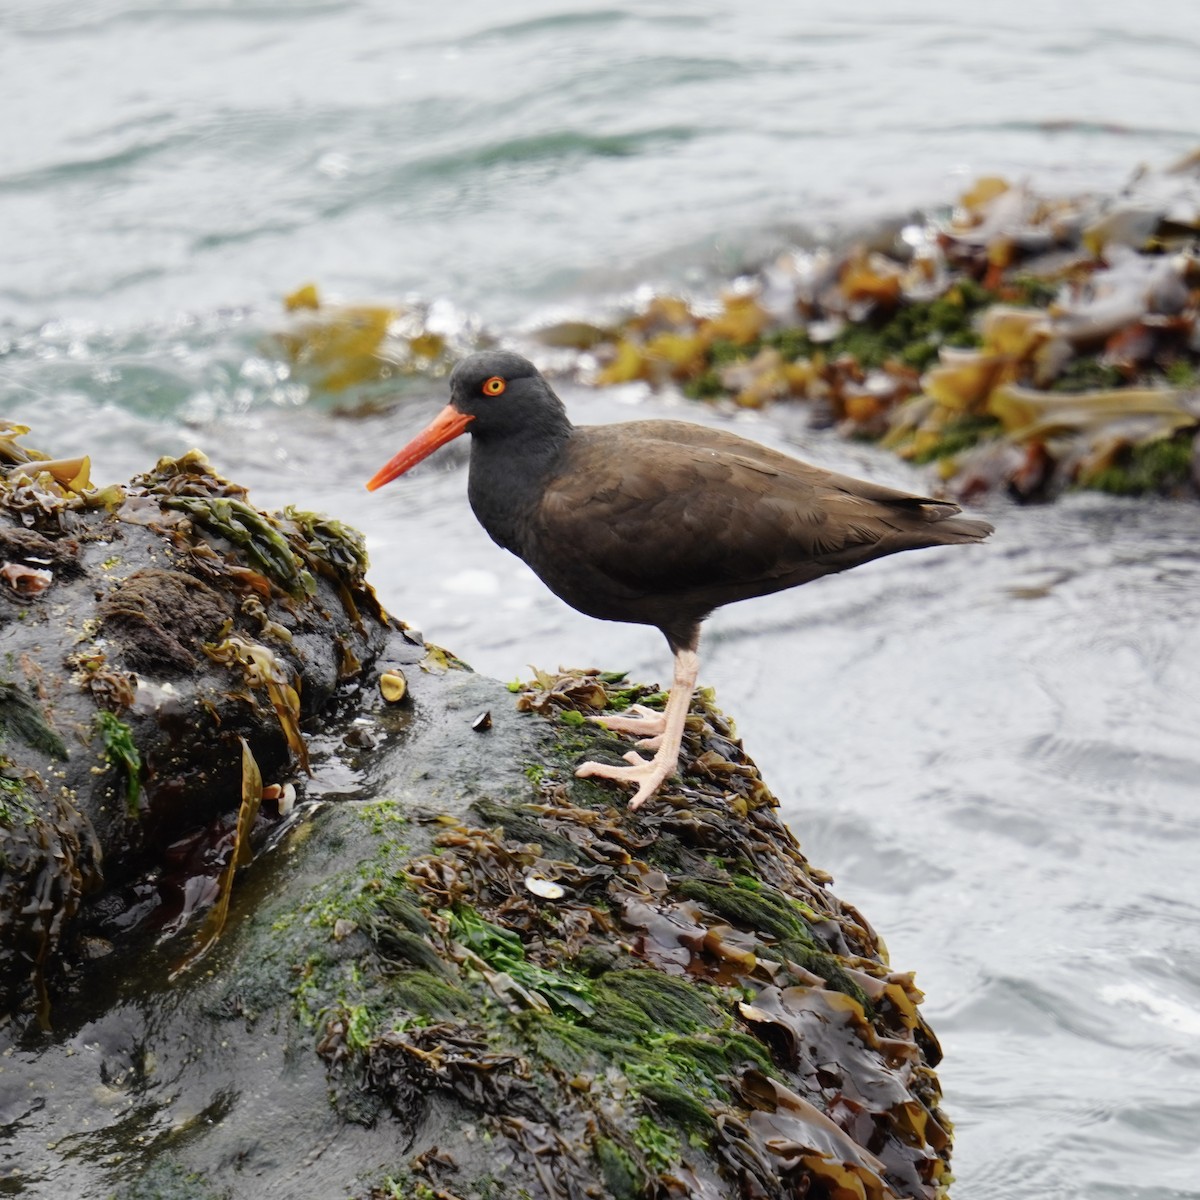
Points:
(494, 386)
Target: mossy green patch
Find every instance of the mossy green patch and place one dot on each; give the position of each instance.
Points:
(16, 805)
(763, 908)
(572, 1046)
(22, 720)
(1035, 292)
(913, 332)
(1087, 373)
(769, 911)
(167, 1179)
(524, 827)
(621, 1176)
(651, 1001)
(429, 994)
(1163, 466)
(658, 1144)
(679, 1105)
(1182, 373)
(714, 1057)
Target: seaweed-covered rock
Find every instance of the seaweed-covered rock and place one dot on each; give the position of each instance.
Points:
(147, 630)
(450, 969)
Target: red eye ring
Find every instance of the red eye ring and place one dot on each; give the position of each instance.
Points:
(493, 386)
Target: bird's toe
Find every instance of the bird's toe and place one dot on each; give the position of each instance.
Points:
(636, 719)
(647, 774)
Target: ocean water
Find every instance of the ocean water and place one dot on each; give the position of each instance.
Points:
(992, 748)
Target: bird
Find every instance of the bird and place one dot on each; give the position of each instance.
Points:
(658, 523)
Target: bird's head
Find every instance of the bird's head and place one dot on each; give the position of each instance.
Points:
(492, 393)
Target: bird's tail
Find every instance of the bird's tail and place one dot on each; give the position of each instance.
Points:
(952, 528)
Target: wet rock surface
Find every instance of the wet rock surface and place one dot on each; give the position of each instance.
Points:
(451, 969)
(148, 630)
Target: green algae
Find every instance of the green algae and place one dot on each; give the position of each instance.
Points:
(620, 1173)
(912, 333)
(651, 1001)
(679, 1105)
(429, 994)
(1033, 292)
(392, 910)
(404, 946)
(168, 1179)
(761, 908)
(561, 990)
(16, 805)
(1088, 373)
(524, 826)
(22, 720)
(573, 1047)
(122, 754)
(1182, 374)
(915, 332)
(659, 1145)
(1161, 467)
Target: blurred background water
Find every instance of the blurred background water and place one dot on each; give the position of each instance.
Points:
(993, 749)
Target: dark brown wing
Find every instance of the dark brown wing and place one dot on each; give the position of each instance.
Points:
(697, 518)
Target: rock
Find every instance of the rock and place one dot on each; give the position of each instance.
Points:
(170, 621)
(452, 969)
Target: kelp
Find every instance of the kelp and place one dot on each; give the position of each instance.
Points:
(252, 531)
(261, 667)
(904, 337)
(932, 339)
(240, 855)
(337, 348)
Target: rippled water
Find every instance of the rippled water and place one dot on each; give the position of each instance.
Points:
(993, 748)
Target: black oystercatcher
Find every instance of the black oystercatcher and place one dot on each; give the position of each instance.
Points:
(658, 522)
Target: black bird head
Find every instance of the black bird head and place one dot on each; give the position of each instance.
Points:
(493, 394)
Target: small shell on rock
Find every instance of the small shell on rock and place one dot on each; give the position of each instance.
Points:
(287, 799)
(547, 889)
(283, 796)
(393, 686)
(343, 927)
(483, 722)
(25, 581)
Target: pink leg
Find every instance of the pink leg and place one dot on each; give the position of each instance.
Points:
(648, 775)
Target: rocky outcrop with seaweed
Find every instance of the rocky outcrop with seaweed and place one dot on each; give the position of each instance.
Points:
(150, 631)
(668, 1003)
(296, 905)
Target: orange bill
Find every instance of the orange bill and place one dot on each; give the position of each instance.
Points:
(445, 427)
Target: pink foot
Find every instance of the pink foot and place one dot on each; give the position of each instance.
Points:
(667, 728)
(648, 774)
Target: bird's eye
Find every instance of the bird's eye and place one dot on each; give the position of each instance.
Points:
(494, 386)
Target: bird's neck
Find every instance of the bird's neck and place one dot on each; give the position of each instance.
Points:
(508, 477)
